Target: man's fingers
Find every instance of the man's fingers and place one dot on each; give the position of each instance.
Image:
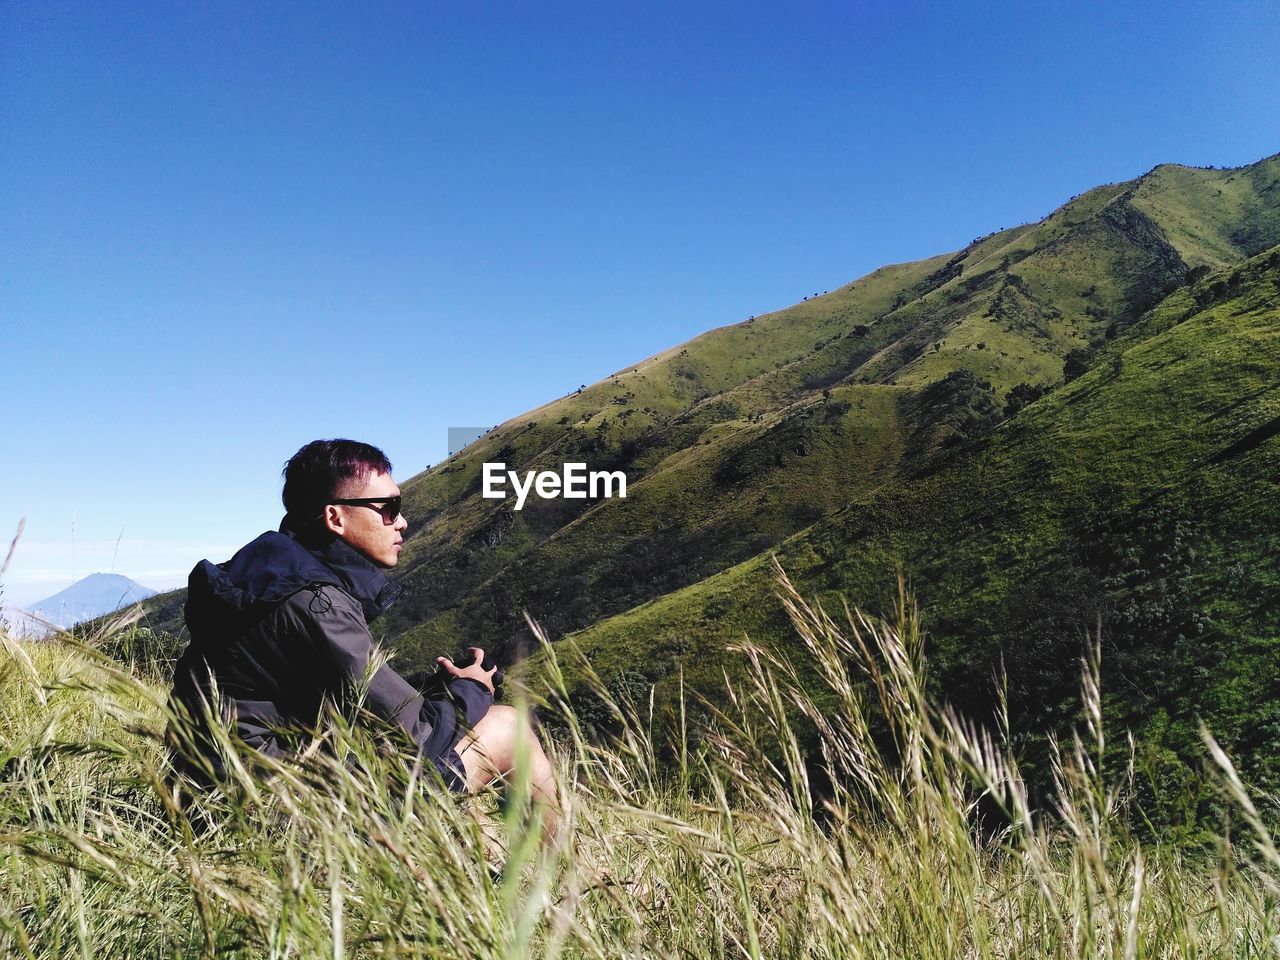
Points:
(478, 653)
(471, 669)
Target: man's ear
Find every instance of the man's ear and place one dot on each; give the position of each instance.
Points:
(334, 519)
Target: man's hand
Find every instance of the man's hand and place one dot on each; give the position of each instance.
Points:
(473, 671)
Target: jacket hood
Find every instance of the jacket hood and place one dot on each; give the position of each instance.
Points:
(278, 564)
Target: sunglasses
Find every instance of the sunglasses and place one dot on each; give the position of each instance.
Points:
(390, 508)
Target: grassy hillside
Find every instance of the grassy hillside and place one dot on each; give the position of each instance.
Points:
(750, 433)
(1144, 495)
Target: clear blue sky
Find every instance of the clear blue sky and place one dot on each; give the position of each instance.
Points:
(231, 228)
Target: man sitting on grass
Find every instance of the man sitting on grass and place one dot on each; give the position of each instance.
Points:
(282, 630)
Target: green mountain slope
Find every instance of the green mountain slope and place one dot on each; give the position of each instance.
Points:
(1144, 495)
(750, 433)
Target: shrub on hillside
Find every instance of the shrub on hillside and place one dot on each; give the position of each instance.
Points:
(1021, 396)
(1075, 364)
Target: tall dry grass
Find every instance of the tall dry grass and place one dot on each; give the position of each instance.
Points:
(923, 842)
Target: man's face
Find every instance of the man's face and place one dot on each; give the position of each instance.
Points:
(363, 526)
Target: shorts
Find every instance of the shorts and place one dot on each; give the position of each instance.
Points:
(452, 771)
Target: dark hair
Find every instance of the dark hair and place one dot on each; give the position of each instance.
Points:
(314, 474)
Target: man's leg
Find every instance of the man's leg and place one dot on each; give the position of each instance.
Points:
(489, 753)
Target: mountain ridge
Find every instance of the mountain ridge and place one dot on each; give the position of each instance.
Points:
(934, 301)
(449, 522)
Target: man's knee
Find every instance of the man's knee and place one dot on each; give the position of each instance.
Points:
(506, 732)
(492, 748)
(494, 737)
(502, 720)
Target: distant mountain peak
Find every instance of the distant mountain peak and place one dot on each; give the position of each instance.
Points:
(89, 597)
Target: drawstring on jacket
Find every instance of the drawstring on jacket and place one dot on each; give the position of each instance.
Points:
(319, 602)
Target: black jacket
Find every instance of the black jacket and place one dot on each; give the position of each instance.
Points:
(282, 628)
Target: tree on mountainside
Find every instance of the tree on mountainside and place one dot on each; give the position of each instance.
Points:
(1075, 364)
(1021, 396)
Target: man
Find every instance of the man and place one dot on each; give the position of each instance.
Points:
(282, 630)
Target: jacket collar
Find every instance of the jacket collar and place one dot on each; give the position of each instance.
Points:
(357, 574)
